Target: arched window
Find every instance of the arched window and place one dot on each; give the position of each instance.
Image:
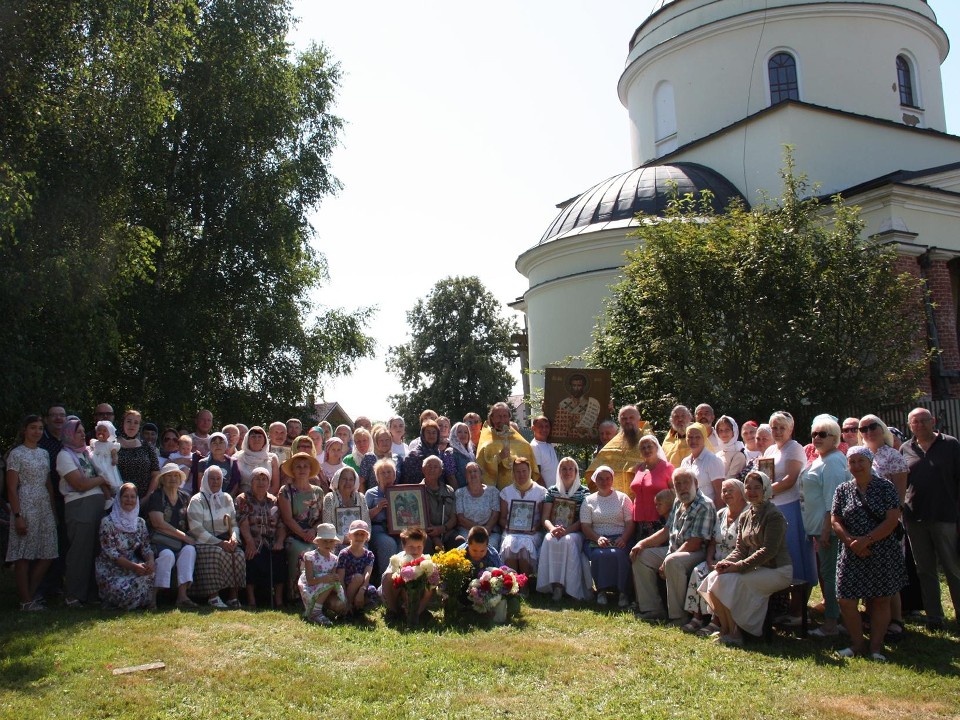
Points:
(665, 118)
(782, 69)
(905, 81)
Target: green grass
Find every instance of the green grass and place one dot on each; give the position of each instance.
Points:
(574, 662)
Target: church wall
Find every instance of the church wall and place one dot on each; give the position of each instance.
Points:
(846, 57)
(835, 151)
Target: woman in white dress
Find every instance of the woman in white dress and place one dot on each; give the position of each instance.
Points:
(563, 568)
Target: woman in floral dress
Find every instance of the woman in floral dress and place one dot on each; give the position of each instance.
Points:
(124, 568)
(300, 506)
(33, 527)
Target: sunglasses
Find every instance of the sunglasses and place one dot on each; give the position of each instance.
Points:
(868, 428)
(849, 429)
(819, 434)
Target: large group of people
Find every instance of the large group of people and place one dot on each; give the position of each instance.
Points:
(698, 531)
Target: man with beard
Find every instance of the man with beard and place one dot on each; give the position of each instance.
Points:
(622, 453)
(673, 551)
(499, 445)
(576, 415)
(675, 443)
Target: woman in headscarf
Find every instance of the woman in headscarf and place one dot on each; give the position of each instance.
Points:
(722, 543)
(263, 534)
(461, 451)
(344, 495)
(740, 585)
(218, 458)
(654, 475)
(125, 567)
(562, 567)
(362, 446)
(413, 462)
(606, 519)
(866, 517)
(730, 450)
(213, 524)
(255, 453)
(84, 492)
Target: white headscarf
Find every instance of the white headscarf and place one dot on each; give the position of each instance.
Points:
(765, 479)
(457, 445)
(660, 453)
(250, 458)
(123, 519)
(215, 499)
(574, 486)
(734, 445)
(335, 482)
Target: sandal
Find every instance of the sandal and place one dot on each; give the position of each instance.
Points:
(73, 603)
(32, 606)
(692, 626)
(708, 630)
(186, 604)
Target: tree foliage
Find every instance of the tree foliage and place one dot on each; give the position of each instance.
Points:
(159, 159)
(456, 360)
(782, 306)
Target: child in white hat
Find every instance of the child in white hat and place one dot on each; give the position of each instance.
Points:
(319, 583)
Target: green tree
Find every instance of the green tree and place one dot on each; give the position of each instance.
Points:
(782, 306)
(456, 360)
(159, 161)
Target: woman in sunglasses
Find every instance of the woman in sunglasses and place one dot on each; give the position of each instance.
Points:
(819, 482)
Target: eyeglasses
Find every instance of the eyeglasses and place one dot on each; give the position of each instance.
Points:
(868, 428)
(819, 434)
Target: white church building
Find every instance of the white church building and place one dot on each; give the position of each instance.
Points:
(714, 90)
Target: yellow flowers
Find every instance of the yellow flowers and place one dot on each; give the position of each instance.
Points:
(454, 569)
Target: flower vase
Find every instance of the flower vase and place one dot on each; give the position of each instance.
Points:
(414, 596)
(499, 614)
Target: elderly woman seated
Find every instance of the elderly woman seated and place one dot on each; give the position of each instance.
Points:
(125, 567)
(213, 524)
(606, 520)
(263, 537)
(740, 586)
(172, 544)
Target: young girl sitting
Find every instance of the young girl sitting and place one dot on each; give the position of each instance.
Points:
(354, 567)
(319, 584)
(413, 540)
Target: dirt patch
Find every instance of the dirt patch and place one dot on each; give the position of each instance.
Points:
(854, 707)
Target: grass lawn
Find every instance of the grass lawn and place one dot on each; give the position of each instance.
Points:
(571, 662)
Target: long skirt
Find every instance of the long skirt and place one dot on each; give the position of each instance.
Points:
(610, 567)
(799, 543)
(267, 565)
(562, 561)
(746, 594)
(217, 569)
(695, 602)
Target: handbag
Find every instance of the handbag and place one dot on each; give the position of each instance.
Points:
(165, 542)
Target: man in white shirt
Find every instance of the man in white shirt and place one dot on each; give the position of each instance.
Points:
(544, 452)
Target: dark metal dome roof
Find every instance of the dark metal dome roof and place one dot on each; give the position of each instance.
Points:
(616, 201)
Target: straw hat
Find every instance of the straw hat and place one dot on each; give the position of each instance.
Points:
(314, 463)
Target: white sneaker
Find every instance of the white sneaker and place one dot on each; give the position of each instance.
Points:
(601, 598)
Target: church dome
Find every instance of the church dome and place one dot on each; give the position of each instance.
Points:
(615, 202)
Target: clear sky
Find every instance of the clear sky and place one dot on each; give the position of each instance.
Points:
(466, 124)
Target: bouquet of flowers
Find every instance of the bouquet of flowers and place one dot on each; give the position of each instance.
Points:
(493, 586)
(455, 572)
(413, 578)
(416, 574)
